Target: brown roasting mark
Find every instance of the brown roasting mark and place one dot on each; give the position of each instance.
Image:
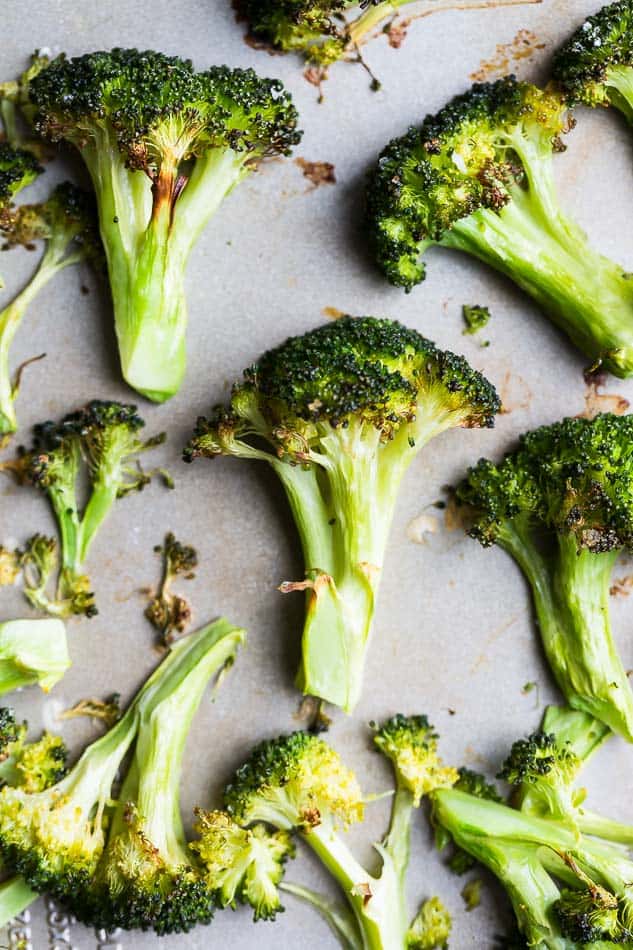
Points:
(396, 32)
(523, 46)
(515, 393)
(333, 313)
(622, 587)
(317, 173)
(597, 401)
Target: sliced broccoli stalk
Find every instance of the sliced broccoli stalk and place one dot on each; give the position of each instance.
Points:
(561, 505)
(478, 177)
(147, 876)
(595, 65)
(163, 145)
(339, 414)
(32, 651)
(67, 224)
(100, 441)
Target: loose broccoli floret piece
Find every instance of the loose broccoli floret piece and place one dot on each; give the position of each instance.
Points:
(107, 710)
(298, 783)
(62, 840)
(169, 613)
(431, 928)
(18, 169)
(340, 413)
(147, 876)
(101, 441)
(475, 317)
(163, 145)
(595, 65)
(67, 224)
(478, 177)
(32, 651)
(562, 505)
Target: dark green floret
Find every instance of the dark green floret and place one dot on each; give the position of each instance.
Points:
(18, 169)
(562, 505)
(340, 413)
(595, 65)
(102, 441)
(478, 177)
(164, 145)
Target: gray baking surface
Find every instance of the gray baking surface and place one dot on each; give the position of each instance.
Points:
(453, 630)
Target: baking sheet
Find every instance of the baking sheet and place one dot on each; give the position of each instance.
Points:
(453, 635)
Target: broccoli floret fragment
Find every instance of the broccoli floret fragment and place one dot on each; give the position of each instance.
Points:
(167, 612)
(595, 65)
(589, 916)
(67, 224)
(163, 145)
(32, 651)
(562, 505)
(431, 928)
(478, 177)
(102, 442)
(475, 318)
(18, 169)
(476, 784)
(410, 742)
(340, 413)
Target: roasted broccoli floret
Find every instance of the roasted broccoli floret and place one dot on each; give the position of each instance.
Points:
(478, 177)
(595, 65)
(67, 224)
(299, 784)
(32, 651)
(167, 612)
(18, 169)
(124, 862)
(163, 145)
(562, 505)
(431, 928)
(339, 413)
(101, 442)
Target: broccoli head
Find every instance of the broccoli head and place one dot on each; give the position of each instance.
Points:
(562, 505)
(163, 145)
(101, 441)
(340, 413)
(595, 65)
(410, 742)
(478, 177)
(67, 224)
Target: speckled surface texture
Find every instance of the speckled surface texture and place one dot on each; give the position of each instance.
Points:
(453, 630)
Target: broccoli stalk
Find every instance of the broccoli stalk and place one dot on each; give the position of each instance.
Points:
(478, 177)
(595, 65)
(32, 651)
(66, 222)
(101, 441)
(56, 838)
(562, 506)
(163, 145)
(339, 414)
(298, 784)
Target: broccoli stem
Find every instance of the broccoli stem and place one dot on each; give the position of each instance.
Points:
(530, 241)
(338, 917)
(375, 902)
(619, 85)
(571, 596)
(398, 841)
(605, 828)
(15, 897)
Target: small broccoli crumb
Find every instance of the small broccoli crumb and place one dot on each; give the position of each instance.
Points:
(475, 317)
(471, 894)
(169, 613)
(106, 710)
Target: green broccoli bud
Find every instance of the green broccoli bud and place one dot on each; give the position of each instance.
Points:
(18, 169)
(589, 916)
(478, 177)
(340, 413)
(411, 745)
(562, 505)
(431, 928)
(163, 145)
(476, 784)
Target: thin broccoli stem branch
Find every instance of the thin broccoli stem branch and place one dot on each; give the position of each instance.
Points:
(339, 919)
(606, 828)
(15, 897)
(398, 840)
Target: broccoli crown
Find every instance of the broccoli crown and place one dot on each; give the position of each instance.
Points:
(295, 781)
(244, 864)
(356, 369)
(532, 759)
(574, 477)
(32, 766)
(314, 27)
(431, 928)
(158, 107)
(589, 916)
(465, 158)
(410, 742)
(476, 784)
(603, 41)
(18, 168)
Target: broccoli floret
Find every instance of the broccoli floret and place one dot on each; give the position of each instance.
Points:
(478, 177)
(547, 768)
(32, 651)
(589, 916)
(562, 505)
(475, 317)
(595, 65)
(170, 613)
(476, 784)
(101, 441)
(164, 145)
(18, 169)
(431, 928)
(14, 98)
(339, 413)
(242, 864)
(299, 784)
(131, 868)
(67, 224)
